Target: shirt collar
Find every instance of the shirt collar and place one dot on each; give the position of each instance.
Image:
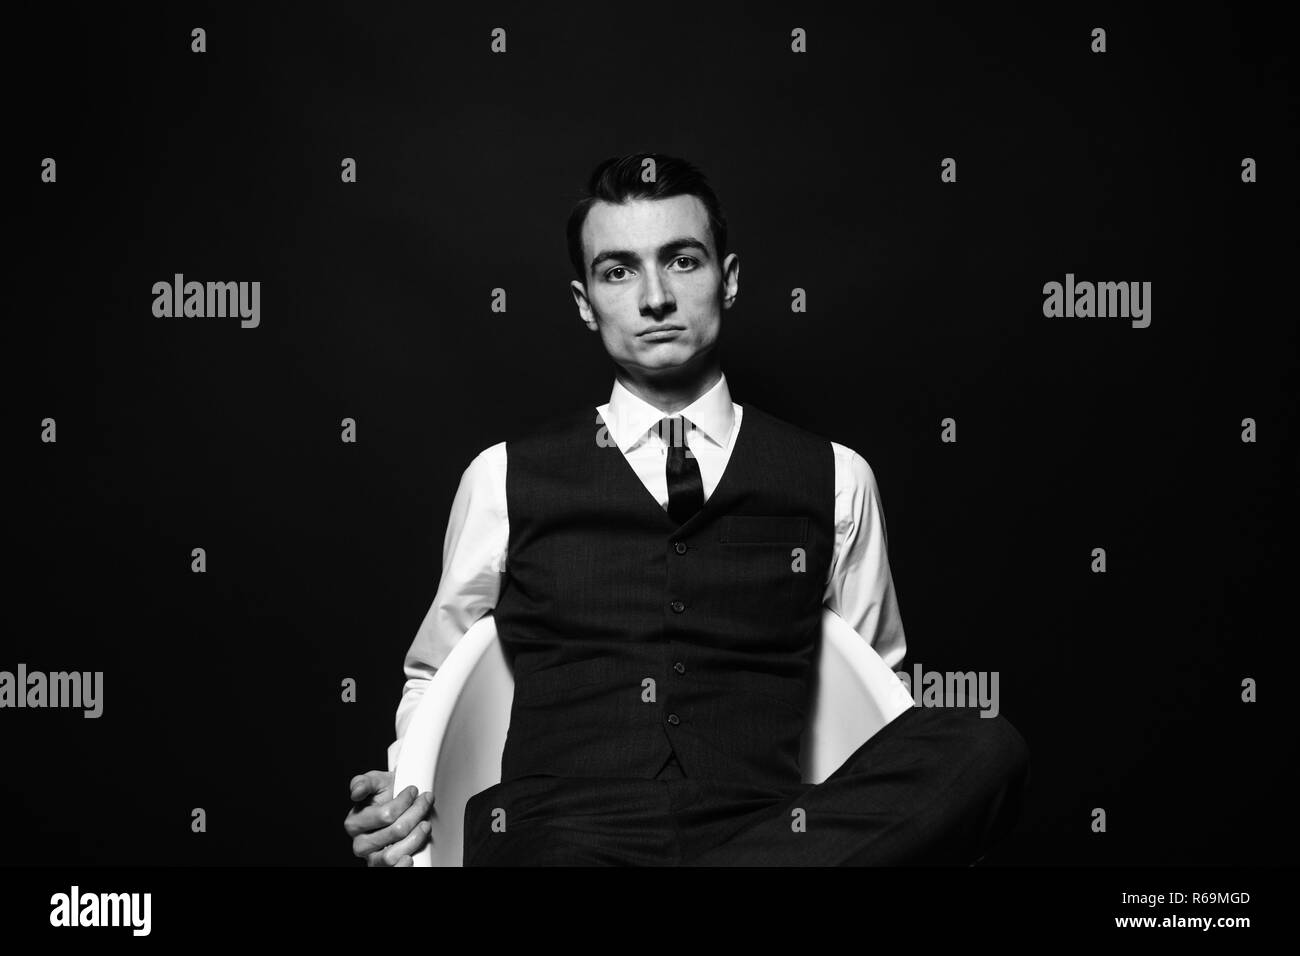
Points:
(629, 417)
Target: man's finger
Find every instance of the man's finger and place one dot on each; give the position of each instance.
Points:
(378, 814)
(401, 823)
(410, 846)
(372, 827)
(370, 782)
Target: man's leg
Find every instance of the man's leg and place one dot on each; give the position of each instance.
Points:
(571, 821)
(933, 786)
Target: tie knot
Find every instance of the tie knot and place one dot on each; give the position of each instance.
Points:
(673, 431)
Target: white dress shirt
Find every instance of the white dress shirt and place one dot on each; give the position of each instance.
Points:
(859, 587)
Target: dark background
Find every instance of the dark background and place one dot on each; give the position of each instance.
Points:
(222, 690)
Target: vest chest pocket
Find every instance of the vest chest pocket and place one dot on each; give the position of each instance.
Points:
(763, 529)
(771, 576)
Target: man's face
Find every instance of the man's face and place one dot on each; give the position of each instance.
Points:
(655, 290)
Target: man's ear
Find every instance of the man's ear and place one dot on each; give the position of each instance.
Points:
(584, 306)
(730, 280)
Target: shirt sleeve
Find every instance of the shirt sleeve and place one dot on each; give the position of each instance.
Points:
(860, 587)
(473, 560)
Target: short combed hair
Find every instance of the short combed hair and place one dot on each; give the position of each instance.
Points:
(618, 180)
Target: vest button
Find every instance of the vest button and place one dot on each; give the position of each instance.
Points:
(674, 719)
(679, 667)
(678, 606)
(680, 547)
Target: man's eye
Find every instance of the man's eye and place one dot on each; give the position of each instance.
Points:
(690, 260)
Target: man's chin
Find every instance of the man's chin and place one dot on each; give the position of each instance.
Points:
(668, 357)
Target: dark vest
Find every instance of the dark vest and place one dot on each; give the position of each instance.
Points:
(633, 639)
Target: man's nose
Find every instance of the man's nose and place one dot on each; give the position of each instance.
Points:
(656, 297)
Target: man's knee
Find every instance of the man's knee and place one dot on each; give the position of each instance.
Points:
(996, 748)
(1003, 760)
(994, 777)
(1007, 748)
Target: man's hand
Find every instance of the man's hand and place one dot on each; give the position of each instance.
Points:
(386, 830)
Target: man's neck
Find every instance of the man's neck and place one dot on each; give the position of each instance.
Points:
(671, 392)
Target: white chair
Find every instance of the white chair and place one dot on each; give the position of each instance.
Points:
(454, 741)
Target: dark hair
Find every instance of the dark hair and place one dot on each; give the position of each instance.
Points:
(618, 179)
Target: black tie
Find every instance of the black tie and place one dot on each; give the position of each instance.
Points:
(685, 489)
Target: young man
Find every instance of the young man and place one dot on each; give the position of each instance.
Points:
(657, 569)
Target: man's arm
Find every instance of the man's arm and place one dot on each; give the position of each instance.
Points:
(473, 559)
(860, 588)
(388, 828)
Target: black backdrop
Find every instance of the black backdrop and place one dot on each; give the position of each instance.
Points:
(222, 690)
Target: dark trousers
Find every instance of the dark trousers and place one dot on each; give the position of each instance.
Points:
(933, 786)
